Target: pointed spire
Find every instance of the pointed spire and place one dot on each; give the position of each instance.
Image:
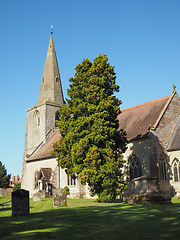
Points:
(51, 89)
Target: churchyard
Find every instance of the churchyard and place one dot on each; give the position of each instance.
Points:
(87, 219)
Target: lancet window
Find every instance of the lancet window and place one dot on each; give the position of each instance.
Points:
(36, 118)
(163, 167)
(176, 170)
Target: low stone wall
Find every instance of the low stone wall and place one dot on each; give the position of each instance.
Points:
(5, 192)
(148, 190)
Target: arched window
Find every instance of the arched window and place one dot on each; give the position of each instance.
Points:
(163, 167)
(176, 170)
(135, 167)
(36, 118)
(57, 115)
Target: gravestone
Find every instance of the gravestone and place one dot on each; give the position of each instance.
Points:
(43, 193)
(20, 202)
(59, 197)
(37, 197)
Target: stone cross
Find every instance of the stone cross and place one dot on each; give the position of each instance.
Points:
(174, 87)
(51, 29)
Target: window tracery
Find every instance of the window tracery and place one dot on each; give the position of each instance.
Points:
(135, 167)
(176, 170)
(163, 167)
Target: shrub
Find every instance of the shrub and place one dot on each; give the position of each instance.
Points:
(17, 187)
(67, 190)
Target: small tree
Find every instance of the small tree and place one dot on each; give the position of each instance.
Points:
(4, 178)
(90, 145)
(17, 187)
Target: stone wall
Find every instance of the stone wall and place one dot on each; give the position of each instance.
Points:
(142, 148)
(37, 129)
(5, 192)
(32, 167)
(59, 178)
(176, 185)
(168, 122)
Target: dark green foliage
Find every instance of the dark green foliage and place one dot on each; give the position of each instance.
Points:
(90, 144)
(4, 178)
(67, 190)
(17, 187)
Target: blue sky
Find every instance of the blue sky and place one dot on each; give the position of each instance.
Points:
(140, 37)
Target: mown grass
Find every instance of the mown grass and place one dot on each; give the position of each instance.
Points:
(4, 200)
(87, 219)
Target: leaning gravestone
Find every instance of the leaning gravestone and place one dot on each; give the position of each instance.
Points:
(20, 202)
(37, 197)
(59, 197)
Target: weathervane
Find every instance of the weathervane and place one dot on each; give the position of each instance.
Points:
(51, 29)
(174, 87)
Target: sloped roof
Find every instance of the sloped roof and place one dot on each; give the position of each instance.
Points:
(45, 150)
(134, 120)
(174, 143)
(46, 172)
(137, 120)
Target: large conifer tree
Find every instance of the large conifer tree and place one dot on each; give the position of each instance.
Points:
(4, 177)
(90, 145)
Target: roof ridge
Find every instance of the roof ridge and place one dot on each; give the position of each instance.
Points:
(125, 109)
(164, 109)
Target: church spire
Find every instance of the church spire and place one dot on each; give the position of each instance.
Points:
(51, 89)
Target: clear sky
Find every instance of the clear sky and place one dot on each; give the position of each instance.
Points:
(140, 37)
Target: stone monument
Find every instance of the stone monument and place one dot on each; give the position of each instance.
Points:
(59, 197)
(37, 197)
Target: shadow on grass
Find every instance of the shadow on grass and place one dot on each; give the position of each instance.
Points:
(117, 221)
(5, 209)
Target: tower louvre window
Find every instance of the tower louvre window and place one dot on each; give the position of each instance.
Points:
(57, 79)
(57, 115)
(36, 118)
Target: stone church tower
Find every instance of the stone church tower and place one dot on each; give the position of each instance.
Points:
(41, 118)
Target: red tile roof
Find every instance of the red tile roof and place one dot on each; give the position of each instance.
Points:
(134, 120)
(137, 120)
(45, 150)
(46, 172)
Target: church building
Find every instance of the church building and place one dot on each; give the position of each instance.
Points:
(152, 168)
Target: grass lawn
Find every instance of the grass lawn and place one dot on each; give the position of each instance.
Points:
(86, 219)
